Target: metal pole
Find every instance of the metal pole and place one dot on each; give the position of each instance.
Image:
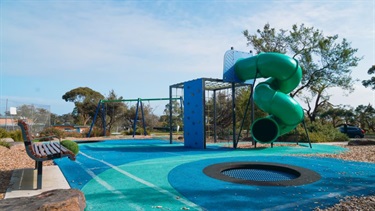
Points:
(170, 115)
(214, 116)
(204, 113)
(95, 116)
(104, 114)
(132, 100)
(143, 120)
(307, 133)
(245, 114)
(234, 114)
(252, 111)
(135, 118)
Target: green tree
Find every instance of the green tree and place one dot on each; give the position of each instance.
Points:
(115, 111)
(338, 115)
(326, 62)
(176, 115)
(224, 115)
(85, 101)
(242, 99)
(366, 116)
(62, 119)
(150, 120)
(370, 82)
(40, 117)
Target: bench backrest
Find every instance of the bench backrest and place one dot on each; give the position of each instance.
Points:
(26, 134)
(27, 138)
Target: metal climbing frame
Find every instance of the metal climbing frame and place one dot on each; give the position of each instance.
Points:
(194, 113)
(101, 107)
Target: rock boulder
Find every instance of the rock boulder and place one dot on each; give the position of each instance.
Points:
(56, 200)
(8, 140)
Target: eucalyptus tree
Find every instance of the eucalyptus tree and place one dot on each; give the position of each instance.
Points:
(177, 115)
(242, 101)
(370, 82)
(223, 115)
(115, 110)
(150, 119)
(67, 119)
(326, 61)
(366, 116)
(338, 115)
(38, 115)
(85, 101)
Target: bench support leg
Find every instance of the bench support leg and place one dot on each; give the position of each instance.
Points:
(40, 172)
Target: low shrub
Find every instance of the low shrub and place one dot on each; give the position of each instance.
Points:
(71, 145)
(139, 131)
(3, 133)
(5, 144)
(95, 132)
(47, 133)
(340, 137)
(317, 133)
(74, 134)
(16, 135)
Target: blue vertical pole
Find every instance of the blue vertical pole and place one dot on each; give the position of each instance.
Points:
(215, 117)
(234, 114)
(104, 114)
(95, 116)
(181, 103)
(143, 120)
(170, 115)
(182, 112)
(136, 117)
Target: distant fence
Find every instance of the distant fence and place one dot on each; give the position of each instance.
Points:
(38, 116)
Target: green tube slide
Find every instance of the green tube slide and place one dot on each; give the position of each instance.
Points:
(272, 96)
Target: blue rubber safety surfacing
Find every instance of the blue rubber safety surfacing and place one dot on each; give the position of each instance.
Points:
(338, 179)
(153, 174)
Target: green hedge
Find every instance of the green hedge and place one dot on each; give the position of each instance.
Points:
(71, 145)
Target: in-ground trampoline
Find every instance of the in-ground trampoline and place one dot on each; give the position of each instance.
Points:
(156, 175)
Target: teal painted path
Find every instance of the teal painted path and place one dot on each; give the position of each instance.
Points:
(156, 175)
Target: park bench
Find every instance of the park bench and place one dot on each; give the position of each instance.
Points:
(42, 151)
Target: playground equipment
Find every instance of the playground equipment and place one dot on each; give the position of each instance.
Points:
(242, 69)
(271, 96)
(196, 116)
(102, 108)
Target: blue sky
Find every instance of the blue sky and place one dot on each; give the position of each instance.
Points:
(139, 48)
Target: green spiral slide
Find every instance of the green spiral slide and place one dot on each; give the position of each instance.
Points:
(272, 96)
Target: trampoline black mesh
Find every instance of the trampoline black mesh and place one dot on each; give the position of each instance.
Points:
(259, 174)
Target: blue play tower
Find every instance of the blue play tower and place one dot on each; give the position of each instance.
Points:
(194, 92)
